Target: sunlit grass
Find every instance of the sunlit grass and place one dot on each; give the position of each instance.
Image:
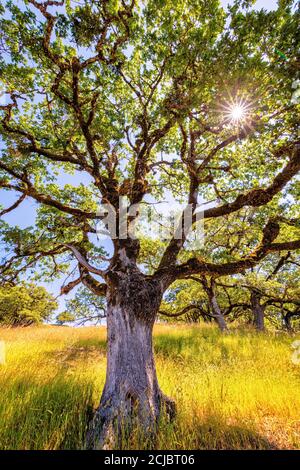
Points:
(232, 391)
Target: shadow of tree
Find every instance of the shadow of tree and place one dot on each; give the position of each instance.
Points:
(223, 436)
(212, 433)
(89, 349)
(55, 415)
(52, 415)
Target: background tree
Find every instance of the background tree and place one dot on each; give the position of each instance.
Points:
(84, 307)
(266, 297)
(268, 293)
(196, 299)
(24, 305)
(135, 99)
(65, 317)
(265, 291)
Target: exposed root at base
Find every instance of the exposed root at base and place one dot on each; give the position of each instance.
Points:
(115, 421)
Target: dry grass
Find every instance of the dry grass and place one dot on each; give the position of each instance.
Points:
(238, 391)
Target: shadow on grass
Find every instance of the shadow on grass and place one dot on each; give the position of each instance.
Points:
(226, 437)
(90, 343)
(211, 434)
(174, 345)
(81, 350)
(55, 415)
(52, 414)
(168, 345)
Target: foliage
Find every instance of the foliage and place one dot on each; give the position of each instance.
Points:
(139, 105)
(84, 307)
(65, 317)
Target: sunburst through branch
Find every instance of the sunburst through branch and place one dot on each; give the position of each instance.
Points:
(237, 112)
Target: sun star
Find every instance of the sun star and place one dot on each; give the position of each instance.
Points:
(237, 112)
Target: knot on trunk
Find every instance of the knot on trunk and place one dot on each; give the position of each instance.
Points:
(138, 296)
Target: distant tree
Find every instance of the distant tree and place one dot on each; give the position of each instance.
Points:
(84, 307)
(266, 296)
(196, 299)
(143, 99)
(65, 317)
(24, 305)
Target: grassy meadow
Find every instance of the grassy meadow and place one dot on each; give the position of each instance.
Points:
(236, 391)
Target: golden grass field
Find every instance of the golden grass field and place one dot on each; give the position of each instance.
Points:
(236, 391)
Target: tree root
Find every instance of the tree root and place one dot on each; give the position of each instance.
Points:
(114, 422)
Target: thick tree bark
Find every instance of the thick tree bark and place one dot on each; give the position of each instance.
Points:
(258, 311)
(131, 397)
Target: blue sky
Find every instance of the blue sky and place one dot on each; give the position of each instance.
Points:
(24, 216)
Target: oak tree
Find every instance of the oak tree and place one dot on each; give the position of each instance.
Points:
(25, 304)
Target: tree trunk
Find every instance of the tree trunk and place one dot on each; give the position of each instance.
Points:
(287, 322)
(131, 398)
(216, 311)
(258, 312)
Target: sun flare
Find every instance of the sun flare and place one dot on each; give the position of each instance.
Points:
(237, 112)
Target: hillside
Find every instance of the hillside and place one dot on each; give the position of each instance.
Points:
(236, 391)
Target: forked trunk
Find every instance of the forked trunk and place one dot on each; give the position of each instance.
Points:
(131, 398)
